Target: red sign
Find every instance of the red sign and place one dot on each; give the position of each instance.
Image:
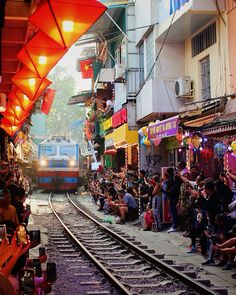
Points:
(119, 118)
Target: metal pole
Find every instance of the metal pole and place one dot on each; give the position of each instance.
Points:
(117, 25)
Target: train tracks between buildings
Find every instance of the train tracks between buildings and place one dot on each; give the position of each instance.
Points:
(129, 267)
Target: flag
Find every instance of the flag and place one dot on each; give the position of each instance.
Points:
(47, 100)
(86, 68)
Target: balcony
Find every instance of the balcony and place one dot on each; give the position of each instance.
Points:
(187, 20)
(156, 98)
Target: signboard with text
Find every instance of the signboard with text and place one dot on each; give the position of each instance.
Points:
(163, 129)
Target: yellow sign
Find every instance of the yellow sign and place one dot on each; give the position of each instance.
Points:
(107, 124)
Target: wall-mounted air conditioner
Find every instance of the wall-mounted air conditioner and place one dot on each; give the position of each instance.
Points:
(183, 87)
(119, 73)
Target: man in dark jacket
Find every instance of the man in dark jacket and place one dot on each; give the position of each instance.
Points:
(173, 184)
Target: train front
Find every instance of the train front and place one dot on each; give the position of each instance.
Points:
(58, 165)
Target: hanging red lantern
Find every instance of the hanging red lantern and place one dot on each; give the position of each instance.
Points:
(41, 54)
(66, 21)
(29, 83)
(206, 154)
(110, 152)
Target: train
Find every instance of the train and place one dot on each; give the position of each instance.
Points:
(58, 167)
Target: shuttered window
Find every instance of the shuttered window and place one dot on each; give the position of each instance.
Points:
(149, 55)
(141, 63)
(204, 39)
(205, 78)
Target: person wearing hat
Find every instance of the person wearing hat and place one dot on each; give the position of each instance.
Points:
(128, 208)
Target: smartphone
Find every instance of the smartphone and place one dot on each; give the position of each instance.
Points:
(21, 234)
(3, 232)
(26, 282)
(35, 237)
(42, 251)
(51, 272)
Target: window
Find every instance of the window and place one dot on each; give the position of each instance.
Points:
(149, 55)
(48, 150)
(120, 54)
(67, 150)
(141, 63)
(204, 39)
(205, 78)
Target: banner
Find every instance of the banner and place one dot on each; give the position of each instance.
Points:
(86, 67)
(47, 100)
(165, 128)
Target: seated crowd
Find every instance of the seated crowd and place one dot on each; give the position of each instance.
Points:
(203, 209)
(15, 239)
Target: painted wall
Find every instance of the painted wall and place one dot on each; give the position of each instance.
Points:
(219, 67)
(142, 19)
(232, 42)
(153, 158)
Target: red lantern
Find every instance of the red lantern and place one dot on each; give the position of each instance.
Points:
(41, 54)
(66, 20)
(110, 152)
(206, 154)
(30, 84)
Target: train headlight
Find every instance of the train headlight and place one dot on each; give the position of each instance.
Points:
(43, 162)
(72, 163)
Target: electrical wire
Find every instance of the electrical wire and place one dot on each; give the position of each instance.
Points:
(220, 14)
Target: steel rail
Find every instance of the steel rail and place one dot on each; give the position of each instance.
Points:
(190, 282)
(105, 271)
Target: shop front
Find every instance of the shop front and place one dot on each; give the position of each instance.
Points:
(126, 143)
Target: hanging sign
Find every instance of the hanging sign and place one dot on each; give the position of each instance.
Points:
(165, 128)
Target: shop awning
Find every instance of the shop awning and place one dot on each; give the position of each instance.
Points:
(201, 121)
(123, 136)
(79, 98)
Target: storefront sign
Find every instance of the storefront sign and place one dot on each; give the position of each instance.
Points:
(119, 118)
(165, 128)
(107, 124)
(176, 5)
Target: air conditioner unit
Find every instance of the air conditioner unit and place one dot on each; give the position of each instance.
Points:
(119, 73)
(183, 87)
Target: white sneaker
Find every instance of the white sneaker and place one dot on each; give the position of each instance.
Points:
(171, 230)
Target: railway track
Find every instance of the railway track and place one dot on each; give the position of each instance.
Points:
(127, 265)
